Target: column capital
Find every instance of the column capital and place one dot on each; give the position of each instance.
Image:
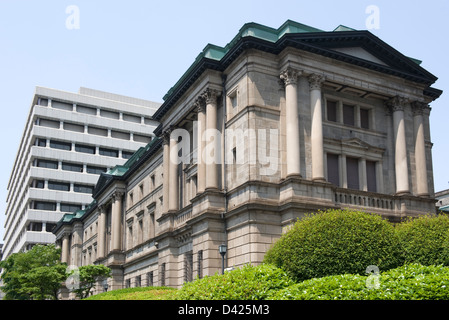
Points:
(117, 195)
(210, 96)
(290, 76)
(397, 103)
(316, 81)
(418, 108)
(200, 104)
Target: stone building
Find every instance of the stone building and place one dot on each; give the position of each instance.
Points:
(278, 123)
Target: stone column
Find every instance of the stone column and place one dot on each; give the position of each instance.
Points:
(101, 232)
(397, 105)
(200, 104)
(290, 78)
(166, 164)
(65, 254)
(116, 222)
(173, 197)
(315, 81)
(211, 158)
(422, 188)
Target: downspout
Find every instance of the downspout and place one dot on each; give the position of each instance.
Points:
(225, 190)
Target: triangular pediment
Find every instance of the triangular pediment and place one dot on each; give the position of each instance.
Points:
(360, 144)
(360, 53)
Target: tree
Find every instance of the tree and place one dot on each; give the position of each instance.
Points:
(35, 274)
(86, 277)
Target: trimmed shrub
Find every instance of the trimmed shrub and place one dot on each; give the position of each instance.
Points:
(425, 240)
(247, 283)
(336, 242)
(409, 282)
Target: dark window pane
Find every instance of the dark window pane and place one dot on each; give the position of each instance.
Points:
(95, 170)
(108, 152)
(371, 176)
(332, 111)
(84, 149)
(59, 186)
(364, 118)
(72, 167)
(348, 115)
(60, 145)
(352, 171)
(83, 188)
(47, 164)
(333, 175)
(41, 205)
(68, 207)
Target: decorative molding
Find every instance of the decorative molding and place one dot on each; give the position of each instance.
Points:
(290, 76)
(210, 96)
(200, 104)
(397, 103)
(418, 108)
(316, 81)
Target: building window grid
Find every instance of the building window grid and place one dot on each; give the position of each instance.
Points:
(349, 114)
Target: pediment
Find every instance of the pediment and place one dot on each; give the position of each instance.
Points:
(360, 144)
(361, 53)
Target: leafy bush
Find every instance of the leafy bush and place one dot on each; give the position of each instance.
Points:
(247, 283)
(336, 242)
(138, 293)
(409, 282)
(425, 240)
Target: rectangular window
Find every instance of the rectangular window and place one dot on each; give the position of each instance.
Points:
(331, 110)
(95, 170)
(39, 184)
(333, 175)
(47, 164)
(47, 206)
(59, 186)
(41, 142)
(352, 171)
(42, 102)
(364, 118)
(84, 149)
(371, 176)
(348, 115)
(67, 146)
(49, 226)
(72, 167)
(109, 152)
(150, 282)
(127, 155)
(83, 188)
(70, 207)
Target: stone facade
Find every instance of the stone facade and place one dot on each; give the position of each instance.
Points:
(249, 142)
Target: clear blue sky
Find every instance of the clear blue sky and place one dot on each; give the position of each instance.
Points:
(141, 48)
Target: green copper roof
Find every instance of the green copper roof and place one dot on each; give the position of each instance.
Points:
(250, 29)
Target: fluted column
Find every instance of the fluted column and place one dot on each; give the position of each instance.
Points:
(116, 222)
(422, 188)
(200, 104)
(65, 254)
(166, 164)
(315, 81)
(211, 158)
(173, 203)
(290, 78)
(101, 232)
(397, 105)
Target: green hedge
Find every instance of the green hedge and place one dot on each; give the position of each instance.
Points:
(246, 283)
(336, 242)
(409, 282)
(425, 240)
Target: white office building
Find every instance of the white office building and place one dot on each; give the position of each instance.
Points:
(68, 140)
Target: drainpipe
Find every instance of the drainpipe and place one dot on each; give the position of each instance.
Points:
(225, 190)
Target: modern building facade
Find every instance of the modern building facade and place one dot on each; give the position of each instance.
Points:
(68, 140)
(279, 123)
